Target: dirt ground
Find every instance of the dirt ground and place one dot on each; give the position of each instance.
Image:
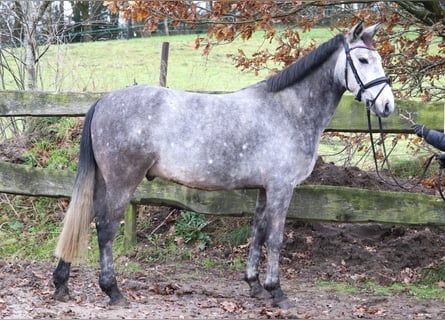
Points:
(184, 289)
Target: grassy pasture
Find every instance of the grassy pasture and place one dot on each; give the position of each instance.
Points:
(110, 65)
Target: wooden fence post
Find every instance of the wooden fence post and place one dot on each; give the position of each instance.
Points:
(164, 64)
(130, 227)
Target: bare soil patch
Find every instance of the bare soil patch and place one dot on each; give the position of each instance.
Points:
(185, 289)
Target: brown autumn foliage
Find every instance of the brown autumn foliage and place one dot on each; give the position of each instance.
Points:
(411, 43)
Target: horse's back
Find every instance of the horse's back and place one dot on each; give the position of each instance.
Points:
(164, 114)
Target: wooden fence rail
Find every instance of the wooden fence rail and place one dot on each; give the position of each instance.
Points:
(315, 203)
(349, 117)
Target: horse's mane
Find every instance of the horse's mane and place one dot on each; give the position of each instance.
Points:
(304, 66)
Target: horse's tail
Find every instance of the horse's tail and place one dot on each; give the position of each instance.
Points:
(73, 241)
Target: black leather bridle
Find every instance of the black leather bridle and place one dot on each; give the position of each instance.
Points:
(381, 80)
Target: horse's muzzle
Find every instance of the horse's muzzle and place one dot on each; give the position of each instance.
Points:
(384, 112)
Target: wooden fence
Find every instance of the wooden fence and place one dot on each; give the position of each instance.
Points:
(314, 203)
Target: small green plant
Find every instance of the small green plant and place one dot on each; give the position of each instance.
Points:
(237, 264)
(56, 146)
(31, 157)
(208, 263)
(189, 226)
(236, 235)
(373, 288)
(154, 239)
(433, 275)
(160, 248)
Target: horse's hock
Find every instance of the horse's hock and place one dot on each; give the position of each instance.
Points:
(310, 202)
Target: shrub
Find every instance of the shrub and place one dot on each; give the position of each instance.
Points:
(189, 226)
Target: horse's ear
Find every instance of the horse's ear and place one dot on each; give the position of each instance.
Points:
(366, 35)
(369, 33)
(356, 32)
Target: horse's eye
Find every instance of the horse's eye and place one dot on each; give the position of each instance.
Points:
(363, 60)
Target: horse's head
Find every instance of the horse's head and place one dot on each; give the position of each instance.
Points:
(359, 69)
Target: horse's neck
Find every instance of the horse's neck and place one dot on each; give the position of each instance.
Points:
(315, 98)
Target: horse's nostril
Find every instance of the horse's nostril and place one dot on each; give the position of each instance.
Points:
(387, 111)
(386, 108)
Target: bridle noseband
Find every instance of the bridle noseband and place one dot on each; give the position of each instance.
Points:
(386, 81)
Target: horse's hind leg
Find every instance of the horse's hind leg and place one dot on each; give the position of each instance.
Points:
(106, 231)
(110, 204)
(60, 280)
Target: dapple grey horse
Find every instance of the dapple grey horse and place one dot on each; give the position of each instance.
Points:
(264, 136)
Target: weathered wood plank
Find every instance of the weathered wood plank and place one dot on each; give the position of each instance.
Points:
(314, 203)
(344, 204)
(24, 180)
(42, 104)
(349, 117)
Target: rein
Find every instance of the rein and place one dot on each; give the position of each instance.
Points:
(396, 183)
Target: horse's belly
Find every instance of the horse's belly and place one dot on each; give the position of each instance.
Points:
(205, 178)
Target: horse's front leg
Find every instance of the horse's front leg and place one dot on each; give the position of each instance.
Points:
(278, 200)
(258, 237)
(268, 226)
(60, 280)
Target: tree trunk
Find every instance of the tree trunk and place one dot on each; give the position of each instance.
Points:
(30, 44)
(29, 14)
(84, 7)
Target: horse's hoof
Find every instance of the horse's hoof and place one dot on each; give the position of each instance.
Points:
(61, 294)
(257, 291)
(283, 303)
(121, 302)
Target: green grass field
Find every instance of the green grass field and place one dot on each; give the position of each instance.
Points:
(108, 65)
